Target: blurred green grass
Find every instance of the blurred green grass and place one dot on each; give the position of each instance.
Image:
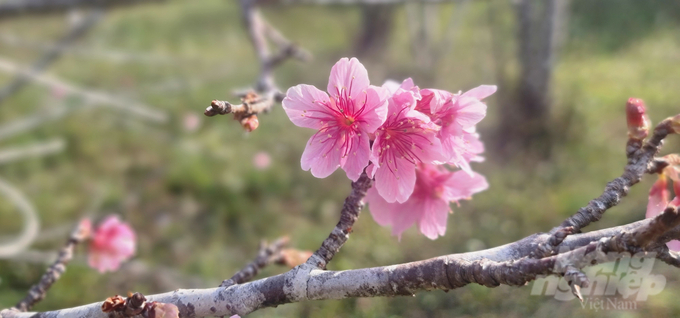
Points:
(200, 207)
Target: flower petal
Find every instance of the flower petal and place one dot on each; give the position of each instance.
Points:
(433, 220)
(673, 245)
(350, 75)
(381, 210)
(304, 105)
(658, 197)
(470, 111)
(462, 185)
(481, 92)
(357, 157)
(375, 112)
(395, 182)
(440, 100)
(319, 155)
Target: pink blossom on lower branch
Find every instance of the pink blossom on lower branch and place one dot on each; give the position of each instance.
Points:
(344, 119)
(428, 206)
(113, 242)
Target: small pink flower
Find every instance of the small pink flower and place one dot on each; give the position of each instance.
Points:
(113, 242)
(262, 160)
(428, 206)
(344, 120)
(659, 198)
(456, 114)
(405, 139)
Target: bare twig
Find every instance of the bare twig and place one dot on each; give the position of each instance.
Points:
(265, 93)
(639, 158)
(266, 255)
(348, 215)
(53, 273)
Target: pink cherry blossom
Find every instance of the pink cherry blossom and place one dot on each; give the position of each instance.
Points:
(405, 139)
(659, 198)
(112, 243)
(407, 85)
(344, 119)
(457, 114)
(428, 206)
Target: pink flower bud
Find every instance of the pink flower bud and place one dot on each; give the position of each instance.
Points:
(250, 123)
(113, 243)
(638, 122)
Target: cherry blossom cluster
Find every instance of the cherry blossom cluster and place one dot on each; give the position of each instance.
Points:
(660, 196)
(408, 139)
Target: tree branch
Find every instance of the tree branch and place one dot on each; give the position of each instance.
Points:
(306, 282)
(640, 158)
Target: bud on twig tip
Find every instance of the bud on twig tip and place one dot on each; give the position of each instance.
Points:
(636, 117)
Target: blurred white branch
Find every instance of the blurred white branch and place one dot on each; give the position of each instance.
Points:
(84, 52)
(31, 222)
(25, 124)
(353, 2)
(132, 107)
(77, 31)
(34, 150)
(17, 8)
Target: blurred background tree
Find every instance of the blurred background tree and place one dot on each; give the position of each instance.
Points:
(189, 185)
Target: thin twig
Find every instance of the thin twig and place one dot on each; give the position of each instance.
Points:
(265, 93)
(639, 158)
(266, 255)
(348, 215)
(54, 272)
